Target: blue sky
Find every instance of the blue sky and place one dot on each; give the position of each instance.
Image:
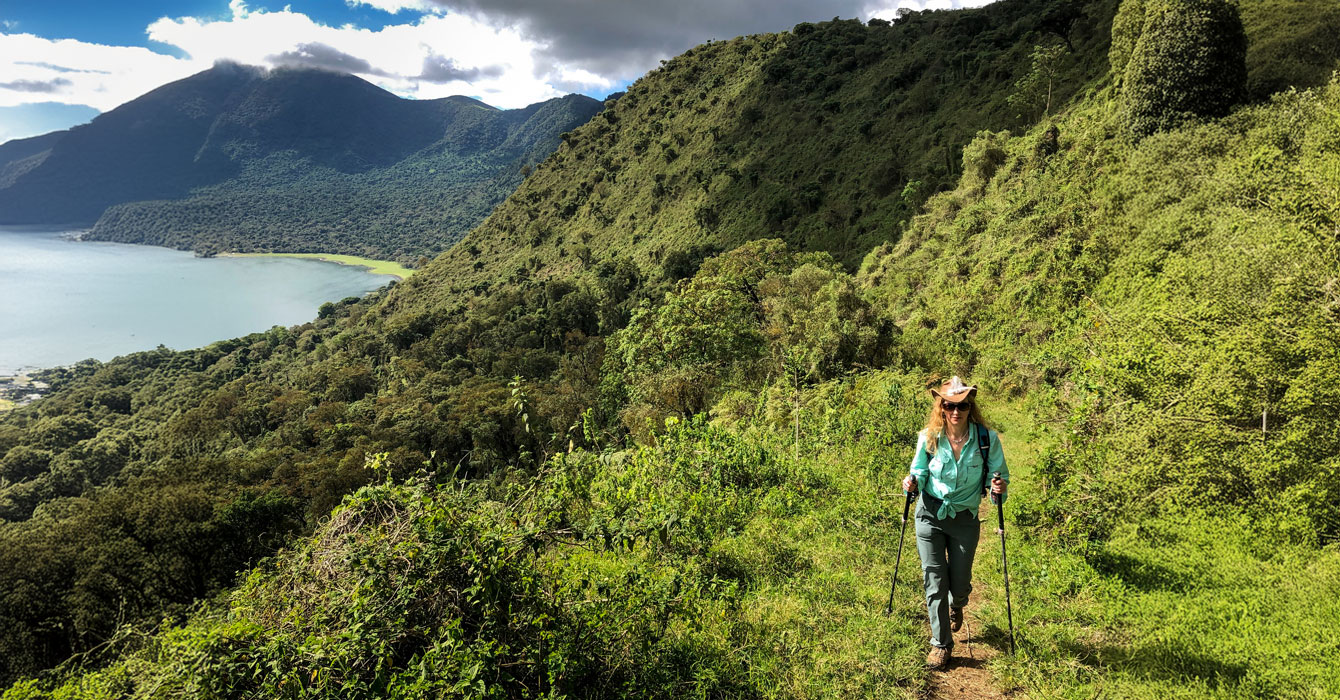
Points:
(123, 23)
(63, 62)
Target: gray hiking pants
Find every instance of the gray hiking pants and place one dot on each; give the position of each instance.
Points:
(946, 548)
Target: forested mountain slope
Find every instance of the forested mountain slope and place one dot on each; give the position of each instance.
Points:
(299, 160)
(1149, 298)
(829, 138)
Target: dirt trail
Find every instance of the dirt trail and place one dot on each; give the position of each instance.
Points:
(967, 675)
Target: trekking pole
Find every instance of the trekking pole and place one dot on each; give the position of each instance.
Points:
(1004, 567)
(907, 504)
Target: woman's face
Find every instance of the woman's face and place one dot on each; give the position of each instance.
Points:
(955, 413)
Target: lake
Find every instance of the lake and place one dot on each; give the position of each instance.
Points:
(63, 300)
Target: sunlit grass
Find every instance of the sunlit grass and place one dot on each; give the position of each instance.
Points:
(376, 267)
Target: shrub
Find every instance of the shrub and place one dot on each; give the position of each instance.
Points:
(1126, 28)
(1189, 61)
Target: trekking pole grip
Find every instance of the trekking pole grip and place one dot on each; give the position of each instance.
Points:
(1000, 512)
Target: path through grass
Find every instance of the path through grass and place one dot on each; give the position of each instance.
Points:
(1185, 606)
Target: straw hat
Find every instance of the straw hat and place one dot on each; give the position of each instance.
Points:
(955, 391)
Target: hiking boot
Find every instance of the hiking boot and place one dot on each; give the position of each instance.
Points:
(955, 619)
(938, 658)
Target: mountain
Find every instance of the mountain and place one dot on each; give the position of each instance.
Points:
(236, 158)
(640, 432)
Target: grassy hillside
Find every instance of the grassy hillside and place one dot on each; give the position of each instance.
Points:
(1174, 297)
(714, 563)
(1144, 301)
(829, 137)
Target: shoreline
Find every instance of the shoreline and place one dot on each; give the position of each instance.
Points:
(376, 267)
(20, 390)
(389, 268)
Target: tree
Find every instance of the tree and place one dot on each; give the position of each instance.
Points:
(1190, 61)
(1060, 20)
(1033, 92)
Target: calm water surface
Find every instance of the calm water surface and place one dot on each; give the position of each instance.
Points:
(62, 300)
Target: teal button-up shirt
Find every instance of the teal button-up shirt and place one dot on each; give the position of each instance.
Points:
(957, 482)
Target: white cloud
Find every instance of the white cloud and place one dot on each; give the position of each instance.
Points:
(496, 64)
(888, 9)
(77, 72)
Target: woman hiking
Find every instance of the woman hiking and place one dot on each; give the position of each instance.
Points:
(949, 471)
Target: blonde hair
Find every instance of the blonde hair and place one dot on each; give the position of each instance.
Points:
(935, 422)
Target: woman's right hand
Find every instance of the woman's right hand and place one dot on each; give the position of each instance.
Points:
(908, 484)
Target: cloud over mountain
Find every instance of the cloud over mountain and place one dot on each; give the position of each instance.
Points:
(623, 37)
(322, 57)
(35, 85)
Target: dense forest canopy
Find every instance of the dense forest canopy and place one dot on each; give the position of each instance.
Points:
(641, 425)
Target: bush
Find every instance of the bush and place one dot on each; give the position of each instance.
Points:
(1126, 28)
(1190, 61)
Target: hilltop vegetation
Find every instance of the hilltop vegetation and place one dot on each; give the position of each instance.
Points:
(291, 160)
(1163, 309)
(828, 138)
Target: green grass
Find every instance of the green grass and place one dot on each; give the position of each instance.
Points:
(376, 267)
(1186, 604)
(1176, 607)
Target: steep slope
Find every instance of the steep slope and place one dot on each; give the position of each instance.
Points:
(422, 371)
(21, 155)
(297, 160)
(829, 137)
(145, 149)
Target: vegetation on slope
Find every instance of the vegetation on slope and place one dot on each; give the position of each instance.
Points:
(1176, 296)
(829, 137)
(714, 563)
(1118, 285)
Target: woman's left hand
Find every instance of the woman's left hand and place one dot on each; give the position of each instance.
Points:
(997, 485)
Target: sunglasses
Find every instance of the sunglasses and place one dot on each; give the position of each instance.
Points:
(960, 406)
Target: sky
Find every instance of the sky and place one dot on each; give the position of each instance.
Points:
(64, 62)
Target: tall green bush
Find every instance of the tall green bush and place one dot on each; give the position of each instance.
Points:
(1126, 27)
(1190, 60)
